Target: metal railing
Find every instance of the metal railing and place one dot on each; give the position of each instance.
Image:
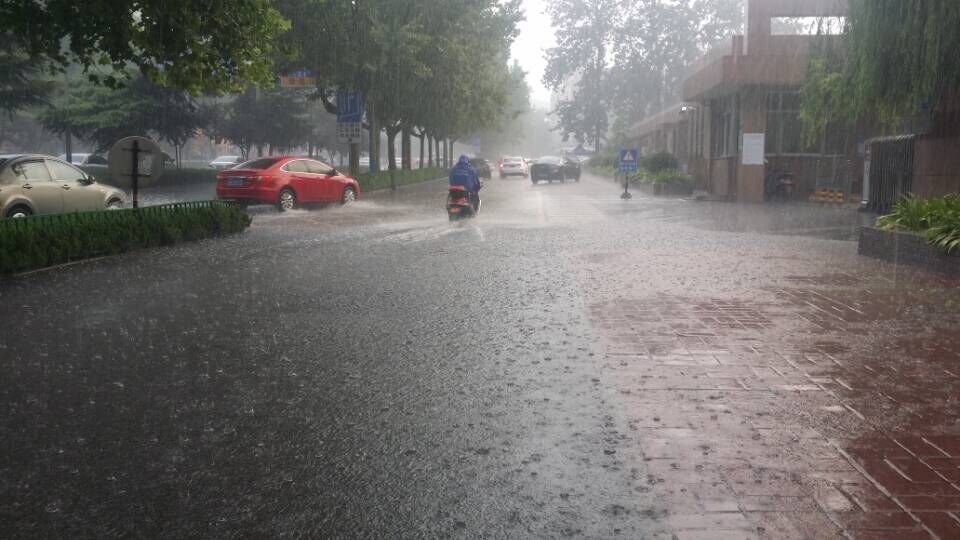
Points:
(107, 215)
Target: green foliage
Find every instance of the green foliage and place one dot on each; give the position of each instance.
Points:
(938, 218)
(665, 176)
(211, 46)
(661, 161)
(21, 84)
(899, 57)
(40, 241)
(382, 179)
(104, 115)
(276, 117)
(652, 42)
(437, 65)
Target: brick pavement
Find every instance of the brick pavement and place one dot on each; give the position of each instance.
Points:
(825, 406)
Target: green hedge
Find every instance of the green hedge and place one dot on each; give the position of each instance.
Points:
(381, 179)
(938, 218)
(171, 176)
(40, 241)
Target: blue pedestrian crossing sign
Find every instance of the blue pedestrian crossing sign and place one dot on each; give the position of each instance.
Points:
(629, 159)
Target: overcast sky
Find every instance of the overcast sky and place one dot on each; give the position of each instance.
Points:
(536, 35)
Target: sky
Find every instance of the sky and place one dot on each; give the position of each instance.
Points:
(536, 35)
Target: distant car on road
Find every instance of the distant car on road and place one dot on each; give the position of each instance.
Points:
(552, 168)
(35, 184)
(482, 167)
(226, 162)
(513, 166)
(287, 182)
(86, 160)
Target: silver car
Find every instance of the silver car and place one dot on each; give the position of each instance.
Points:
(226, 162)
(34, 184)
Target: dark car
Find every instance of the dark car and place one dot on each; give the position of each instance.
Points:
(482, 167)
(552, 168)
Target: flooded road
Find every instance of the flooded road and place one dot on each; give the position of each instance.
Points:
(567, 365)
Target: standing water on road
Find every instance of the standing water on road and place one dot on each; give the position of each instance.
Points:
(711, 291)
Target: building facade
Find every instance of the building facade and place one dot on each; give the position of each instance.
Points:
(748, 89)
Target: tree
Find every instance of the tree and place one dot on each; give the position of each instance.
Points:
(899, 58)
(210, 46)
(104, 115)
(578, 64)
(273, 119)
(433, 68)
(21, 85)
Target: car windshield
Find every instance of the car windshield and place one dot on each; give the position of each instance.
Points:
(258, 164)
(706, 285)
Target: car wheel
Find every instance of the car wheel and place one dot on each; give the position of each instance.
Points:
(349, 196)
(19, 212)
(287, 200)
(115, 204)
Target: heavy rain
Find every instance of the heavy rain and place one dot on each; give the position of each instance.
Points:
(673, 269)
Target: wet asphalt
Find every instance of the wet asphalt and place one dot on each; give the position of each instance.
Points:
(368, 371)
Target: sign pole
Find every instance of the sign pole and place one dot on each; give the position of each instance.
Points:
(628, 164)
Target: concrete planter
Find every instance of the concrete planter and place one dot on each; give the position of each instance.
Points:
(678, 189)
(907, 248)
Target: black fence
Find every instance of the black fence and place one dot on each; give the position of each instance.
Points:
(890, 171)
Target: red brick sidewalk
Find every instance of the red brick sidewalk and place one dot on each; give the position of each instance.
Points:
(823, 406)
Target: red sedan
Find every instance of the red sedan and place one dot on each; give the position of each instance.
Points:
(286, 182)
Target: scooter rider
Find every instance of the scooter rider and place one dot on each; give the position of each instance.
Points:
(463, 174)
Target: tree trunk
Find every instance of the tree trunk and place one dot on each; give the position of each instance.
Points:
(354, 159)
(406, 148)
(429, 151)
(446, 156)
(421, 138)
(374, 138)
(391, 148)
(436, 144)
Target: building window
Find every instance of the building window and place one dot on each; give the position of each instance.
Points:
(785, 130)
(726, 127)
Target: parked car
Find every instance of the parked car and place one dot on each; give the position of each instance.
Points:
(226, 162)
(36, 184)
(552, 168)
(85, 159)
(286, 182)
(482, 167)
(513, 166)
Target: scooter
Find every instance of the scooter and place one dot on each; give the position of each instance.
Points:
(459, 205)
(779, 185)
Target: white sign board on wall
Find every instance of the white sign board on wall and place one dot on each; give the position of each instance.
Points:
(754, 145)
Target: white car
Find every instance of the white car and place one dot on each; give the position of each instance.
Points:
(85, 159)
(226, 162)
(513, 166)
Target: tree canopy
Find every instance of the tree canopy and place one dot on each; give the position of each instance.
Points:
(619, 60)
(210, 46)
(898, 58)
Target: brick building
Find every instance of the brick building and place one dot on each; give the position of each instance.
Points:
(750, 85)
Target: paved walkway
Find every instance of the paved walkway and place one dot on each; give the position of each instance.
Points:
(783, 390)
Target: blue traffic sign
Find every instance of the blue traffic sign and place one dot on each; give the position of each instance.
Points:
(629, 160)
(349, 107)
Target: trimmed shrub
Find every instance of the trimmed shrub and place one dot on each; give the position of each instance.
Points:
(39, 241)
(381, 179)
(938, 218)
(661, 161)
